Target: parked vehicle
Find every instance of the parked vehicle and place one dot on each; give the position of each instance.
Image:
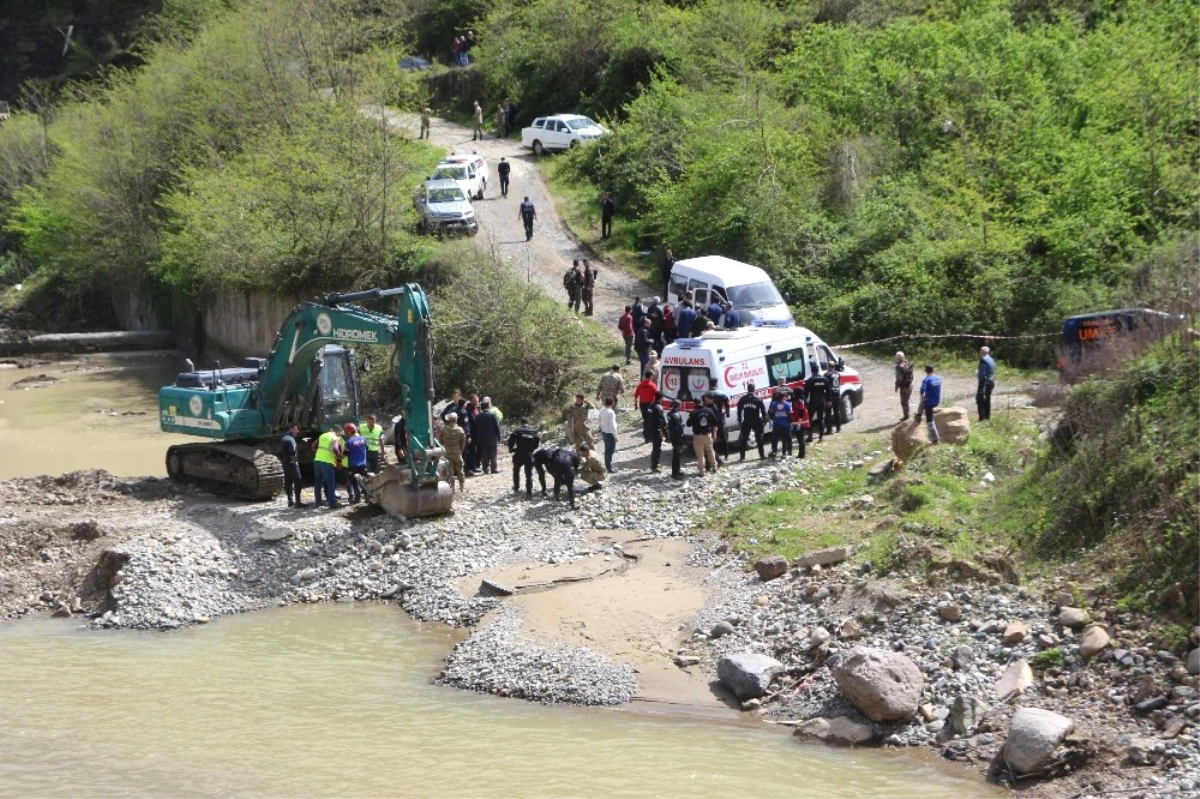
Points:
(713, 276)
(1111, 335)
(469, 171)
(769, 355)
(560, 132)
(442, 207)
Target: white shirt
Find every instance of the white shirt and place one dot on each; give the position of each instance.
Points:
(608, 421)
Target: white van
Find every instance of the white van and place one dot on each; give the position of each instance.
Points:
(769, 355)
(714, 277)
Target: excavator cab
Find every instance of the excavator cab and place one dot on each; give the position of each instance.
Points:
(340, 396)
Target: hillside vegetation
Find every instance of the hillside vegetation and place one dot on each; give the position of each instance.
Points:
(898, 167)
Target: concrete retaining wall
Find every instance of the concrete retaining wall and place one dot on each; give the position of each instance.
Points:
(237, 324)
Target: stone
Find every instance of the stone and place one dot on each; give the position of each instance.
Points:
(885, 686)
(1033, 736)
(747, 674)
(909, 436)
(850, 630)
(1150, 705)
(77, 605)
(963, 658)
(1141, 752)
(1015, 633)
(1063, 599)
(926, 711)
(1094, 641)
(1173, 727)
(950, 611)
(966, 712)
(493, 588)
(1015, 679)
(63, 612)
(771, 567)
(721, 629)
(684, 661)
(274, 534)
(839, 730)
(823, 557)
(818, 637)
(1193, 661)
(1074, 618)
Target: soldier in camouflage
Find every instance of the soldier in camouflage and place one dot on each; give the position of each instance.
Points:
(454, 441)
(611, 385)
(591, 470)
(576, 417)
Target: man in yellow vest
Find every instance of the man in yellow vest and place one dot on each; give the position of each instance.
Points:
(373, 433)
(326, 456)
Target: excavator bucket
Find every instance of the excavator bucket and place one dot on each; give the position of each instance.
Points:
(392, 490)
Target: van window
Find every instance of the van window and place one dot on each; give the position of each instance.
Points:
(685, 383)
(827, 359)
(755, 295)
(679, 284)
(812, 353)
(786, 366)
(537, 123)
(699, 292)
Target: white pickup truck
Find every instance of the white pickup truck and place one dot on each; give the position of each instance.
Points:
(560, 132)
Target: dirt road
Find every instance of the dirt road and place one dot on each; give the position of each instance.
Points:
(545, 258)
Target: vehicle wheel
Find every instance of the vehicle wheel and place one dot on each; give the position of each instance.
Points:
(537, 147)
(421, 227)
(482, 186)
(846, 408)
(574, 143)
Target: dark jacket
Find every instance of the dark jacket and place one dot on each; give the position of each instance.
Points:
(654, 422)
(503, 168)
(703, 420)
(523, 442)
(564, 463)
(642, 339)
(655, 315)
(751, 411)
(287, 451)
(685, 318)
(608, 208)
(817, 388)
(733, 319)
(675, 427)
(487, 428)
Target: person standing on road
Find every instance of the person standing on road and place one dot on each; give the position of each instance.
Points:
(576, 417)
(607, 209)
(931, 397)
(669, 325)
(625, 327)
(655, 430)
(675, 435)
(642, 343)
(817, 388)
(654, 313)
(487, 436)
(563, 465)
(588, 291)
(781, 424)
(608, 431)
(503, 169)
(643, 394)
(400, 439)
(454, 441)
(904, 381)
(800, 421)
(833, 400)
(527, 214)
(685, 319)
(509, 112)
(733, 319)
(373, 433)
(987, 383)
(289, 456)
(664, 269)
(327, 453)
(477, 118)
(426, 113)
(573, 283)
(703, 421)
(751, 415)
(612, 385)
(356, 463)
(500, 120)
(522, 443)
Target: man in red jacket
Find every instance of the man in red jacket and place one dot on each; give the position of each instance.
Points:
(625, 325)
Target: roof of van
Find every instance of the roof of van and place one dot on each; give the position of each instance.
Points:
(745, 337)
(726, 268)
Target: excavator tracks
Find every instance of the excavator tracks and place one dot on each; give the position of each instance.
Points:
(229, 469)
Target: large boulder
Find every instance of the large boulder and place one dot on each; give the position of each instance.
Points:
(1095, 639)
(1015, 679)
(1033, 736)
(770, 567)
(747, 674)
(911, 435)
(886, 686)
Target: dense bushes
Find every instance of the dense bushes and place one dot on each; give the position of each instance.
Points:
(898, 167)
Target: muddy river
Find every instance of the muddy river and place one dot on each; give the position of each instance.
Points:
(336, 700)
(96, 411)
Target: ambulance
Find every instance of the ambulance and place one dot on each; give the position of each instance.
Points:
(771, 355)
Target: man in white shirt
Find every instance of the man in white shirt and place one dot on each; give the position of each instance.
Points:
(608, 432)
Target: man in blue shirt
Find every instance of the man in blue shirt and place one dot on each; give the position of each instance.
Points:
(715, 309)
(987, 382)
(685, 320)
(931, 397)
(733, 319)
(356, 463)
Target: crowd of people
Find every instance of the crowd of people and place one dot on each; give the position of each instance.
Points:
(647, 329)
(460, 49)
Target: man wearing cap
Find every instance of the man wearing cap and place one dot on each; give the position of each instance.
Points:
(373, 433)
(576, 417)
(904, 381)
(454, 441)
(591, 470)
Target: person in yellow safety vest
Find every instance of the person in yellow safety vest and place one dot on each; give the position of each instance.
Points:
(373, 433)
(326, 457)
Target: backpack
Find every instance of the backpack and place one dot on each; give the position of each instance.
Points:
(569, 280)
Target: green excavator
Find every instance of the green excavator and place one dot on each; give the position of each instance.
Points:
(310, 379)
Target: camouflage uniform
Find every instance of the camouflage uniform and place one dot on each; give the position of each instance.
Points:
(591, 470)
(576, 417)
(425, 113)
(454, 441)
(904, 381)
(611, 385)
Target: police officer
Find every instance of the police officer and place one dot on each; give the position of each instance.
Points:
(527, 213)
(503, 169)
(703, 421)
(373, 433)
(833, 414)
(720, 404)
(751, 415)
(675, 436)
(576, 417)
(522, 443)
(563, 464)
(817, 389)
(454, 441)
(289, 456)
(654, 425)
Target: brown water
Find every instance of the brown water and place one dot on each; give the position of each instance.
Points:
(336, 700)
(70, 424)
